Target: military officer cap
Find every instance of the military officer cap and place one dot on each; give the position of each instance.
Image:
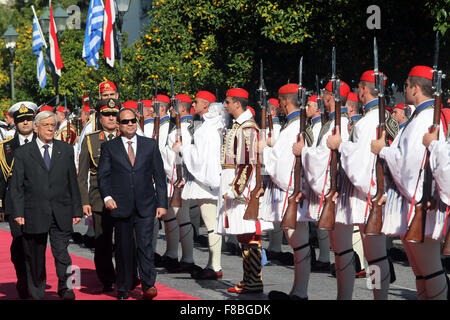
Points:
(22, 109)
(109, 105)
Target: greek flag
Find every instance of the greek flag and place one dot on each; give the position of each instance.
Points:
(38, 43)
(94, 33)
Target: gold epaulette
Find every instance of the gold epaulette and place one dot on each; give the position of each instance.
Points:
(88, 142)
(6, 169)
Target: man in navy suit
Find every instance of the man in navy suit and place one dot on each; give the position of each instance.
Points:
(132, 183)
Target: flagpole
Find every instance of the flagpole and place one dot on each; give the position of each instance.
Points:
(39, 26)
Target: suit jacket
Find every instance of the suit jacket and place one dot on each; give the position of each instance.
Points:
(88, 163)
(38, 192)
(142, 187)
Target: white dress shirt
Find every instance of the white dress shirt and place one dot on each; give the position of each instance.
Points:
(42, 149)
(22, 139)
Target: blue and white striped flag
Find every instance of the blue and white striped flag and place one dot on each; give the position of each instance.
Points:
(38, 43)
(93, 36)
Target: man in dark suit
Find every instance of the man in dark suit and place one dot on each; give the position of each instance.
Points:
(46, 201)
(23, 114)
(130, 169)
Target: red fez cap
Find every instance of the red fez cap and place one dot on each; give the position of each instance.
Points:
(369, 76)
(389, 109)
(86, 109)
(275, 102)
(183, 98)
(107, 86)
(62, 109)
(192, 110)
(251, 110)
(46, 108)
(313, 98)
(343, 90)
(162, 98)
(130, 104)
(6, 114)
(352, 97)
(237, 93)
(288, 88)
(85, 100)
(208, 96)
(147, 103)
(421, 71)
(400, 106)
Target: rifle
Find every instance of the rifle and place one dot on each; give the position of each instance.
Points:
(320, 101)
(328, 216)
(156, 108)
(290, 216)
(77, 112)
(375, 221)
(416, 229)
(175, 200)
(68, 133)
(140, 107)
(252, 210)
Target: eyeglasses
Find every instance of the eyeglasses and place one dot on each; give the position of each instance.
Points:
(126, 121)
(108, 114)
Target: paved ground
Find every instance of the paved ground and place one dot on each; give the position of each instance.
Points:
(322, 286)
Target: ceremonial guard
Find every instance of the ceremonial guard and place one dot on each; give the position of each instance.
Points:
(401, 113)
(177, 224)
(106, 90)
(273, 251)
(405, 162)
(352, 106)
(239, 155)
(316, 163)
(91, 199)
(202, 161)
(160, 135)
(358, 163)
(65, 131)
(314, 113)
(279, 162)
(23, 114)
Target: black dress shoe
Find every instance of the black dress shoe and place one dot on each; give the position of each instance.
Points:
(158, 260)
(205, 274)
(108, 288)
(279, 295)
(122, 295)
(67, 294)
(185, 267)
(171, 264)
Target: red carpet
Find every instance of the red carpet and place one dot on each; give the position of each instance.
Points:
(90, 287)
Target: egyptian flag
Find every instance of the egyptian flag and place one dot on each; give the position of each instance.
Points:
(55, 56)
(108, 32)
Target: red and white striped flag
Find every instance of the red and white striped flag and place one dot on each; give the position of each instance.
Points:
(108, 32)
(55, 56)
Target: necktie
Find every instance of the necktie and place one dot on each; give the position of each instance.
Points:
(46, 156)
(110, 136)
(26, 141)
(131, 153)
